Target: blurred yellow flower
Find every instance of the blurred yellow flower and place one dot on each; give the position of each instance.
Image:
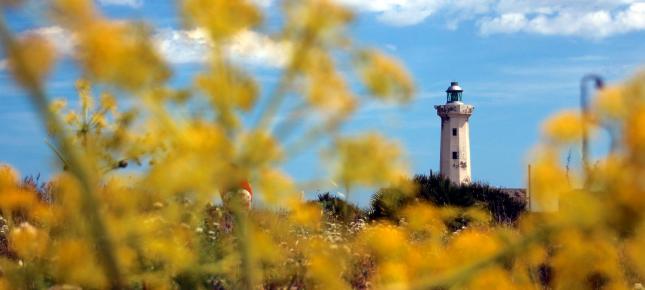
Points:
(71, 118)
(75, 263)
(31, 59)
(387, 241)
(368, 160)
(326, 88)
(308, 215)
(8, 177)
(229, 90)
(611, 102)
(635, 132)
(28, 242)
(276, 186)
(120, 54)
(549, 181)
(222, 18)
(108, 102)
(564, 127)
(425, 217)
(385, 78)
(58, 105)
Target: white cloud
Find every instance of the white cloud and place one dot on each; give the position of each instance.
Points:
(189, 46)
(60, 38)
(590, 24)
(182, 46)
(263, 3)
(255, 48)
(507, 23)
(397, 12)
(586, 18)
(131, 3)
(249, 47)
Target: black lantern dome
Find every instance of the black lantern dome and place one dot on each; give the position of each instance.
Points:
(453, 93)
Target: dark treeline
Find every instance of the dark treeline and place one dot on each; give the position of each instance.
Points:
(387, 203)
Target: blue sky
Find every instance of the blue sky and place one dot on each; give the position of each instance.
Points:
(518, 61)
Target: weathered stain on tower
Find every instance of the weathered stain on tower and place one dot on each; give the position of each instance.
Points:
(455, 136)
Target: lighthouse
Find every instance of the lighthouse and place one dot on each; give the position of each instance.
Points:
(455, 136)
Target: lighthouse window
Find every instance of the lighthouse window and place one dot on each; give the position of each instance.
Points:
(454, 131)
(455, 155)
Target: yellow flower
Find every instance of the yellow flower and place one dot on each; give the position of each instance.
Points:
(222, 18)
(68, 197)
(58, 105)
(76, 264)
(17, 199)
(31, 60)
(326, 89)
(84, 89)
(493, 278)
(305, 214)
(120, 54)
(258, 149)
(99, 121)
(108, 102)
(425, 217)
(610, 102)
(28, 241)
(276, 187)
(321, 19)
(564, 127)
(472, 245)
(385, 77)
(583, 255)
(368, 160)
(8, 177)
(325, 265)
(71, 118)
(228, 89)
(636, 252)
(548, 181)
(635, 132)
(393, 275)
(386, 241)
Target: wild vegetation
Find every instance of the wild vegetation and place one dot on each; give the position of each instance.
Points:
(96, 225)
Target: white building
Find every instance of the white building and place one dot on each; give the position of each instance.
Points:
(455, 136)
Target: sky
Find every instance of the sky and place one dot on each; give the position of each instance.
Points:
(518, 61)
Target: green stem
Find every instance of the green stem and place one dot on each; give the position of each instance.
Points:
(241, 229)
(58, 153)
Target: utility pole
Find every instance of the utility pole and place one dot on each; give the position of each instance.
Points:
(584, 108)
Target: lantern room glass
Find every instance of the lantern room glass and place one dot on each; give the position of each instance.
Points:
(454, 96)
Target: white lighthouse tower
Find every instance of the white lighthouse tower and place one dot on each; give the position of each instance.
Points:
(455, 136)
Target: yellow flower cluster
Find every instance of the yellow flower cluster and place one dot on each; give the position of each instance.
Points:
(595, 214)
(385, 77)
(368, 160)
(30, 59)
(126, 58)
(221, 18)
